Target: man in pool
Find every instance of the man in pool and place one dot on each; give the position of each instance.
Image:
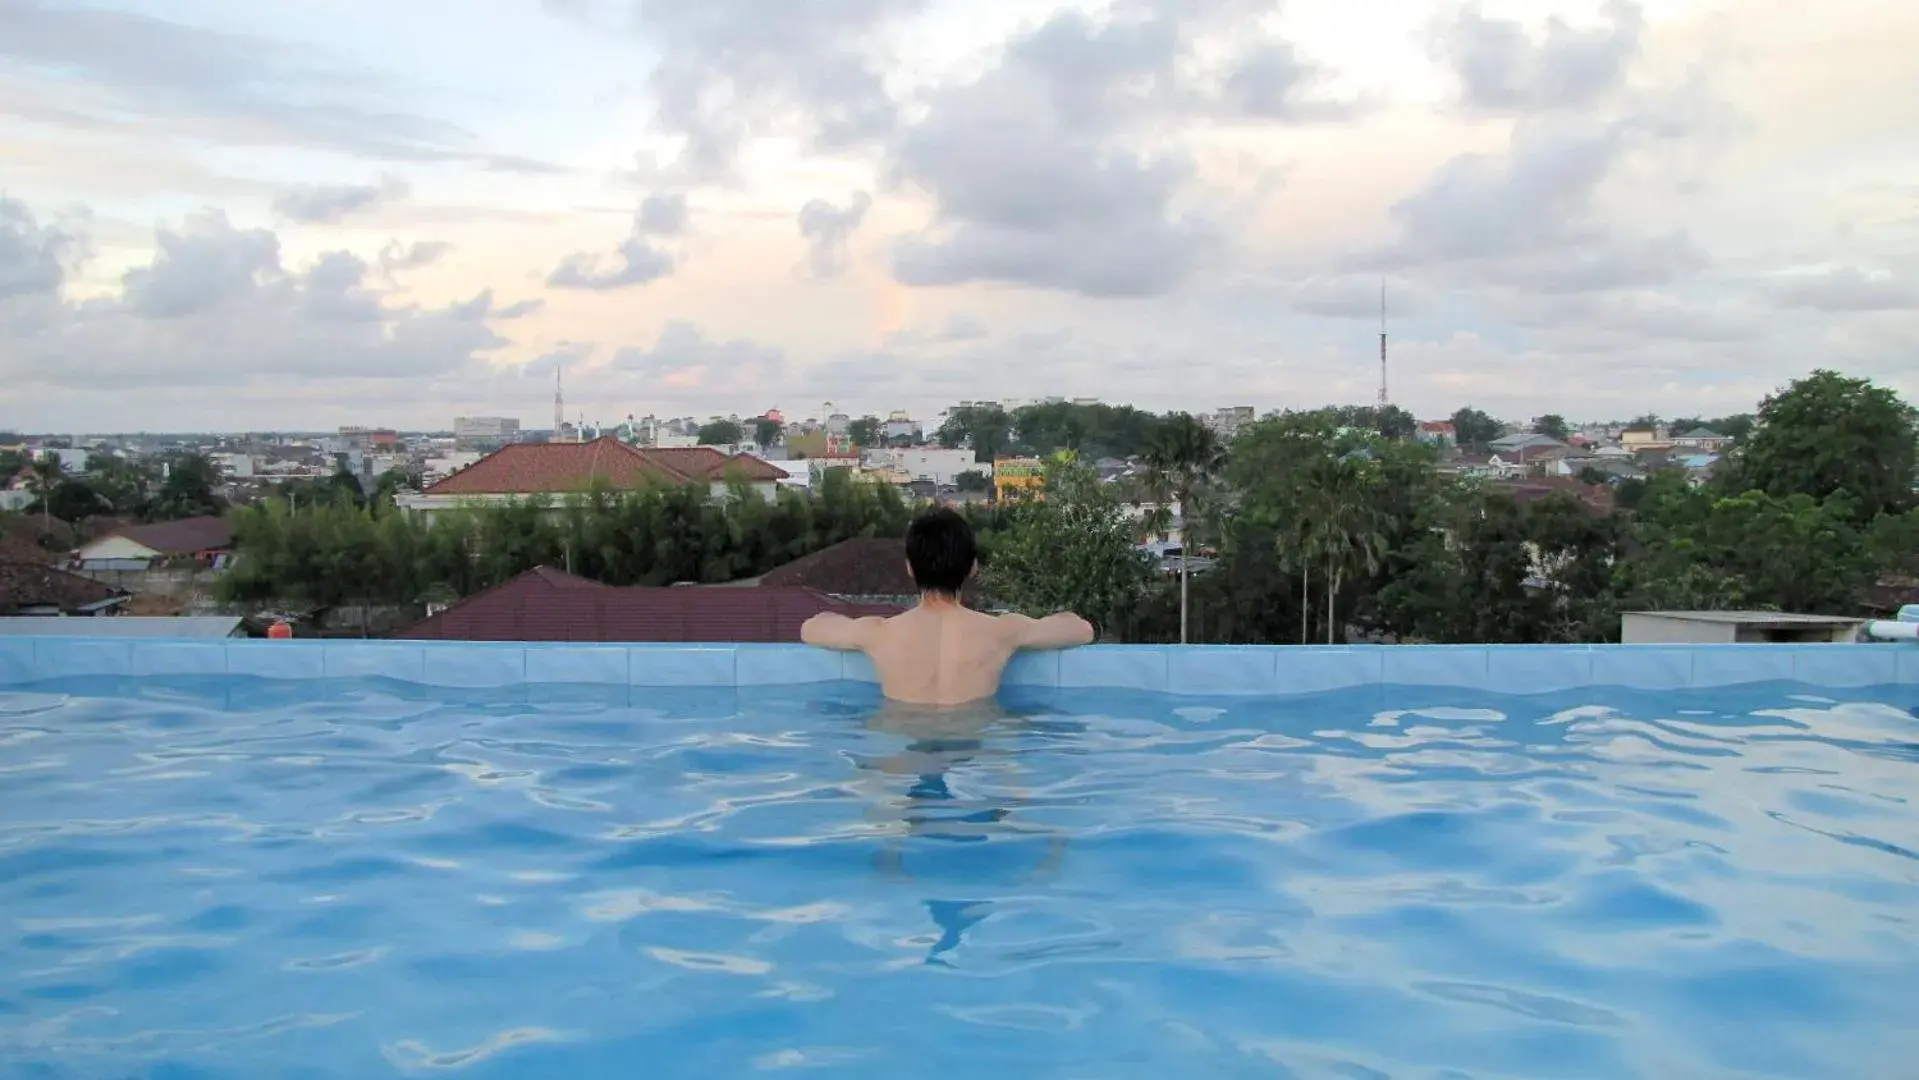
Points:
(941, 652)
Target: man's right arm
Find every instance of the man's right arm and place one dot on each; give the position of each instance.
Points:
(1061, 631)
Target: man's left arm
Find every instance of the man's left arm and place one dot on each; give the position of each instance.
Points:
(831, 630)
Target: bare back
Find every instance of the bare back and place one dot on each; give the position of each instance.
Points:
(945, 655)
(941, 653)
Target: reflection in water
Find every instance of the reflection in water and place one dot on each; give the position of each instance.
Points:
(981, 738)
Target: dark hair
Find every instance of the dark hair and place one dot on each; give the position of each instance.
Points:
(940, 551)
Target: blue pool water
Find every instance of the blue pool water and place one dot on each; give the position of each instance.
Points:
(231, 878)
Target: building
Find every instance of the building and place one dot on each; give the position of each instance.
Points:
(555, 470)
(202, 541)
(544, 604)
(941, 466)
(366, 438)
(484, 432)
(1440, 433)
(1702, 439)
(1016, 476)
(1733, 627)
(34, 589)
(864, 570)
(900, 426)
(236, 466)
(1637, 439)
(1226, 422)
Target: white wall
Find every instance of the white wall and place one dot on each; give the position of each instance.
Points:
(116, 547)
(938, 465)
(15, 500)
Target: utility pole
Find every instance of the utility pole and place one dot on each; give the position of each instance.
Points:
(1382, 345)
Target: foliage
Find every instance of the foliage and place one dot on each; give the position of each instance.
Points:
(1182, 455)
(721, 433)
(973, 480)
(1553, 426)
(121, 482)
(1826, 434)
(1472, 428)
(332, 551)
(188, 490)
(767, 432)
(865, 432)
(1075, 550)
(985, 428)
(75, 500)
(1092, 431)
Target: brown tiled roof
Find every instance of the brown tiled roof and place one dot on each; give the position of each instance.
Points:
(1595, 497)
(32, 585)
(184, 537)
(546, 605)
(560, 468)
(862, 566)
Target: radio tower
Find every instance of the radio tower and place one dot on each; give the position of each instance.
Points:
(1382, 344)
(559, 405)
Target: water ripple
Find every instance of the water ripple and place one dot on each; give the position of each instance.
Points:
(377, 882)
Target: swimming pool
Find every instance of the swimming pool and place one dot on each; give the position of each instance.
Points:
(346, 870)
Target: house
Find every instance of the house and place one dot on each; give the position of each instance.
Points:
(545, 604)
(556, 470)
(941, 466)
(1702, 439)
(864, 569)
(1014, 476)
(1595, 498)
(35, 589)
(1439, 433)
(1527, 448)
(205, 542)
(1614, 469)
(1637, 439)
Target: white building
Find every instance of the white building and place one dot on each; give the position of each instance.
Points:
(471, 432)
(237, 466)
(932, 463)
(900, 426)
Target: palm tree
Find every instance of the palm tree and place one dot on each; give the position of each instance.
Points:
(1348, 533)
(1183, 455)
(42, 477)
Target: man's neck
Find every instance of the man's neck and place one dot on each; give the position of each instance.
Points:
(934, 601)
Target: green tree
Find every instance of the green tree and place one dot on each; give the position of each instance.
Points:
(1473, 428)
(985, 428)
(865, 432)
(189, 489)
(1075, 550)
(721, 433)
(1826, 434)
(123, 483)
(1735, 427)
(1396, 423)
(74, 501)
(972, 481)
(766, 431)
(43, 475)
(1182, 455)
(1553, 426)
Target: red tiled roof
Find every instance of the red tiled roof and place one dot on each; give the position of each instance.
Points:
(560, 468)
(31, 585)
(1597, 498)
(546, 605)
(188, 536)
(861, 566)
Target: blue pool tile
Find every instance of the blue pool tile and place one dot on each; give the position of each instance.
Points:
(1220, 669)
(580, 665)
(1537, 669)
(477, 665)
(857, 667)
(1118, 667)
(277, 659)
(179, 658)
(784, 665)
(1642, 668)
(16, 661)
(55, 658)
(1908, 664)
(1040, 668)
(1311, 669)
(375, 659)
(1733, 665)
(1434, 665)
(689, 665)
(1846, 665)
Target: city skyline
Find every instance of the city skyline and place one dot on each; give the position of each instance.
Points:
(275, 218)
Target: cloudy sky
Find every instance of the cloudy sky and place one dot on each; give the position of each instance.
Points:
(216, 215)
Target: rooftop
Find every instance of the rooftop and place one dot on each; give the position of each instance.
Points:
(544, 604)
(186, 536)
(555, 468)
(26, 586)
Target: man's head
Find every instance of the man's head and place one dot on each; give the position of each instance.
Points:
(940, 551)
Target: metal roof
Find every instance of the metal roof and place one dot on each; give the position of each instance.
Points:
(123, 626)
(1752, 618)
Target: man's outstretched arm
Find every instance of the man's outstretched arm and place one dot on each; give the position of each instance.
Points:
(831, 630)
(1061, 631)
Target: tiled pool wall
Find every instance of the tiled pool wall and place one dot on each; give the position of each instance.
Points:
(1201, 669)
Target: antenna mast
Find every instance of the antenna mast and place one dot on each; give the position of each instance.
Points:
(559, 405)
(1382, 344)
